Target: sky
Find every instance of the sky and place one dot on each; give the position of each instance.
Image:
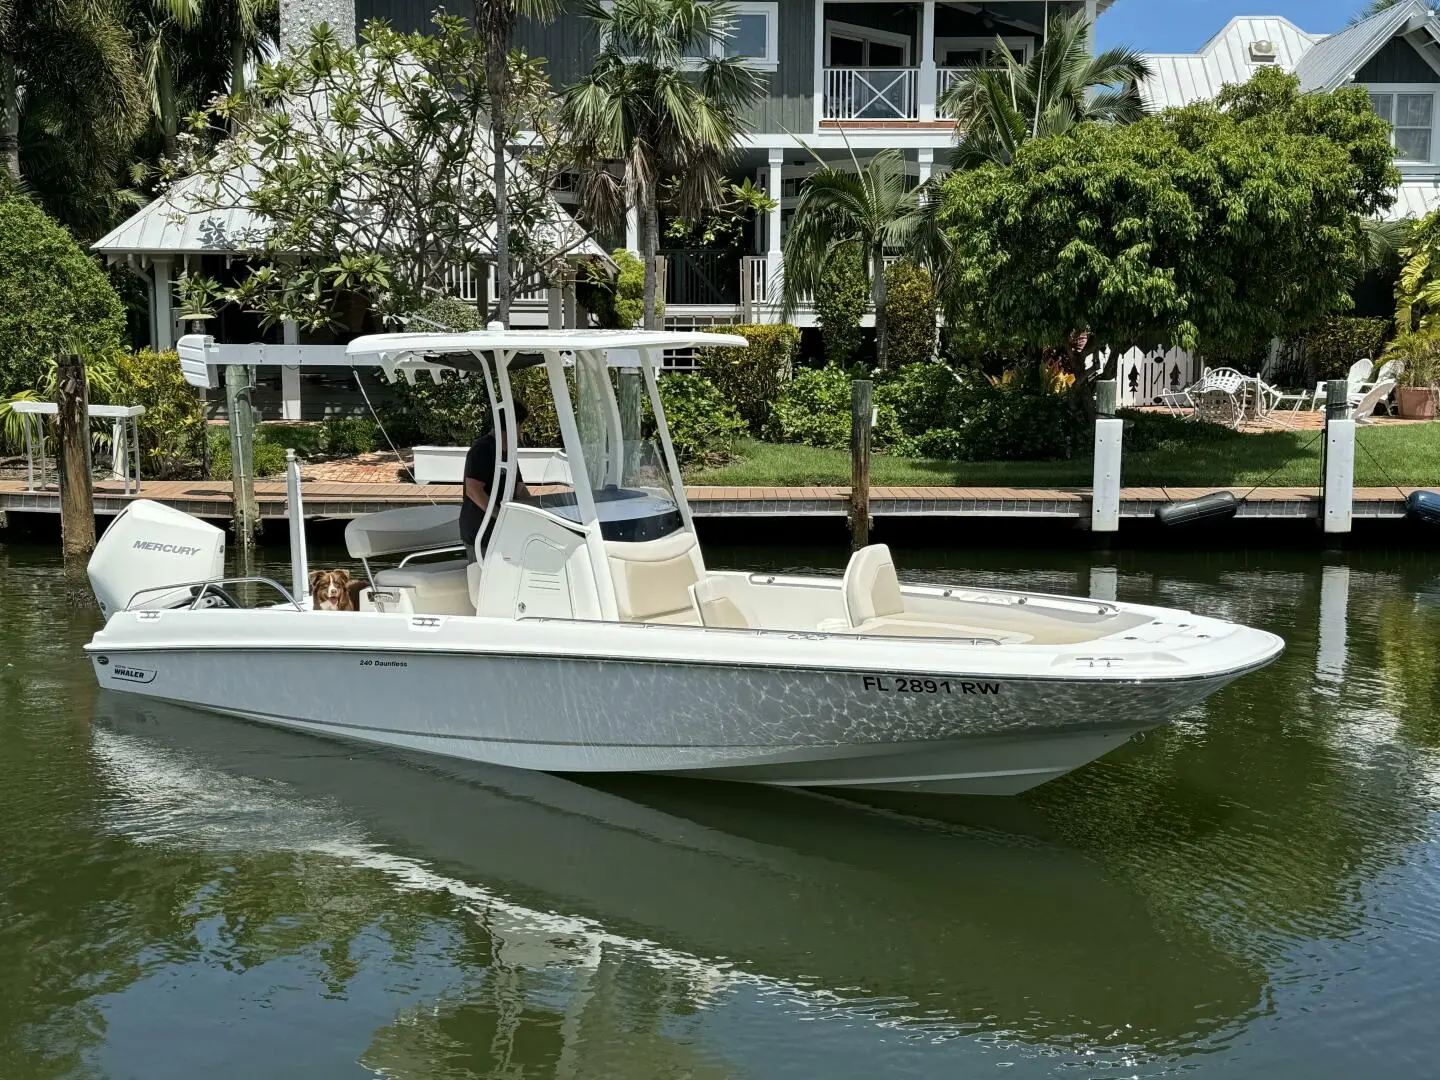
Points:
(1185, 25)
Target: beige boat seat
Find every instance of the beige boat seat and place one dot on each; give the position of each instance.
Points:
(653, 578)
(436, 588)
(718, 605)
(874, 605)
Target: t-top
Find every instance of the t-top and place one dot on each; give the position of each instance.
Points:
(480, 465)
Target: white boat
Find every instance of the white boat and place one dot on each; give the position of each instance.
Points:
(592, 637)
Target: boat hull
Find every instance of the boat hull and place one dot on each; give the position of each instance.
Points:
(761, 724)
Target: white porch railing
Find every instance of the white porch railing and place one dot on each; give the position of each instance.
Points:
(463, 283)
(871, 93)
(945, 78)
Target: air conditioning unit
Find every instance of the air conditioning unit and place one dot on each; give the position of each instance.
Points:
(1264, 52)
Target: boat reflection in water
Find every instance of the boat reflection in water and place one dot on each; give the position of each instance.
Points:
(715, 889)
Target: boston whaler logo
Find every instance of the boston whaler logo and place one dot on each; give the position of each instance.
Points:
(126, 673)
(168, 549)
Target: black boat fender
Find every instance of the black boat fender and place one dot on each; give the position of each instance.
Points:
(1217, 506)
(1424, 507)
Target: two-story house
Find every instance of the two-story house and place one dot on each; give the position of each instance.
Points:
(841, 75)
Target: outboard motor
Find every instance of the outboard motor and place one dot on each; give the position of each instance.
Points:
(150, 545)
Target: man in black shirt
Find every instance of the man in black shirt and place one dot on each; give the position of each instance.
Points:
(479, 475)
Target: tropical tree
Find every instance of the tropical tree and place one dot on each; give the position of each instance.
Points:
(1374, 7)
(650, 105)
(1205, 227)
(365, 173)
(71, 105)
(495, 22)
(873, 207)
(999, 105)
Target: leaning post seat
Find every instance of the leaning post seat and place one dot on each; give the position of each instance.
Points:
(428, 588)
(653, 578)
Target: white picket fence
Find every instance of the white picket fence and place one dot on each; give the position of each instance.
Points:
(1145, 375)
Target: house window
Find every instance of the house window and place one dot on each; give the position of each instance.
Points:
(851, 46)
(1411, 117)
(978, 52)
(753, 33)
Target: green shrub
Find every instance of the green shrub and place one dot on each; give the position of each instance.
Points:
(170, 430)
(53, 297)
(815, 409)
(840, 304)
(618, 302)
(703, 425)
(1021, 418)
(269, 456)
(1333, 346)
(450, 313)
(349, 435)
(751, 379)
(924, 397)
(909, 313)
(1145, 431)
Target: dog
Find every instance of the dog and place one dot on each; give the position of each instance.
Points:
(335, 590)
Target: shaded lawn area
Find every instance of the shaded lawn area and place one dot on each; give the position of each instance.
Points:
(1405, 454)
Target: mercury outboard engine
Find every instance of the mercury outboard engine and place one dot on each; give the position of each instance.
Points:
(149, 545)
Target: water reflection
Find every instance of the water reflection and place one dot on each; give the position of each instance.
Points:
(946, 929)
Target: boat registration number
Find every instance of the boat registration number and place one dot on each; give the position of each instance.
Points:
(908, 684)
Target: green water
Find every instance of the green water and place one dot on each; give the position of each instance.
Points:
(1254, 892)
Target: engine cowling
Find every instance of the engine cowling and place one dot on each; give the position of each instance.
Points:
(149, 545)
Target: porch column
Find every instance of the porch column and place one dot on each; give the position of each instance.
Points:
(290, 375)
(164, 313)
(819, 100)
(928, 76)
(632, 218)
(774, 257)
(926, 159)
(572, 306)
(554, 308)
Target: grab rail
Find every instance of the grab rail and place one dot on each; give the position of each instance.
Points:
(430, 551)
(205, 586)
(804, 635)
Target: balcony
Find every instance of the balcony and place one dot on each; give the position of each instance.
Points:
(871, 94)
(884, 94)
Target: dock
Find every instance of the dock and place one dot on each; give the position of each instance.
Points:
(342, 501)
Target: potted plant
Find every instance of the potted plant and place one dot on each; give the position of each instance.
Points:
(1419, 352)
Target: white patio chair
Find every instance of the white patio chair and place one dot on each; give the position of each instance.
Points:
(1269, 400)
(1365, 408)
(1390, 370)
(1219, 397)
(1357, 381)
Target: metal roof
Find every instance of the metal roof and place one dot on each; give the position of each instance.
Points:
(1334, 61)
(1182, 78)
(1414, 199)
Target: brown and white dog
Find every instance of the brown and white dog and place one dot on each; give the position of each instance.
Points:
(335, 590)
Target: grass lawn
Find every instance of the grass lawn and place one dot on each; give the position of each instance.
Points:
(1406, 454)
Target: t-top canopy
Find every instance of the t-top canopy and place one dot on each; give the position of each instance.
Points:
(625, 346)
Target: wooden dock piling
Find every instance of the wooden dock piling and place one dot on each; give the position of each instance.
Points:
(77, 500)
(242, 455)
(861, 420)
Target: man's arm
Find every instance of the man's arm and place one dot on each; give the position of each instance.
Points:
(476, 493)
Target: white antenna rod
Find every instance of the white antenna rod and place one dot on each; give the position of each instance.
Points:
(295, 511)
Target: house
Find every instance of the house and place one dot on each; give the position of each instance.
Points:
(842, 75)
(1394, 54)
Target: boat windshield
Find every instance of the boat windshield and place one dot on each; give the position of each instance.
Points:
(625, 465)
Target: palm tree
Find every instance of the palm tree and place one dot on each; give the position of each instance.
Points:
(1374, 7)
(494, 21)
(872, 207)
(997, 108)
(659, 101)
(191, 50)
(71, 104)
